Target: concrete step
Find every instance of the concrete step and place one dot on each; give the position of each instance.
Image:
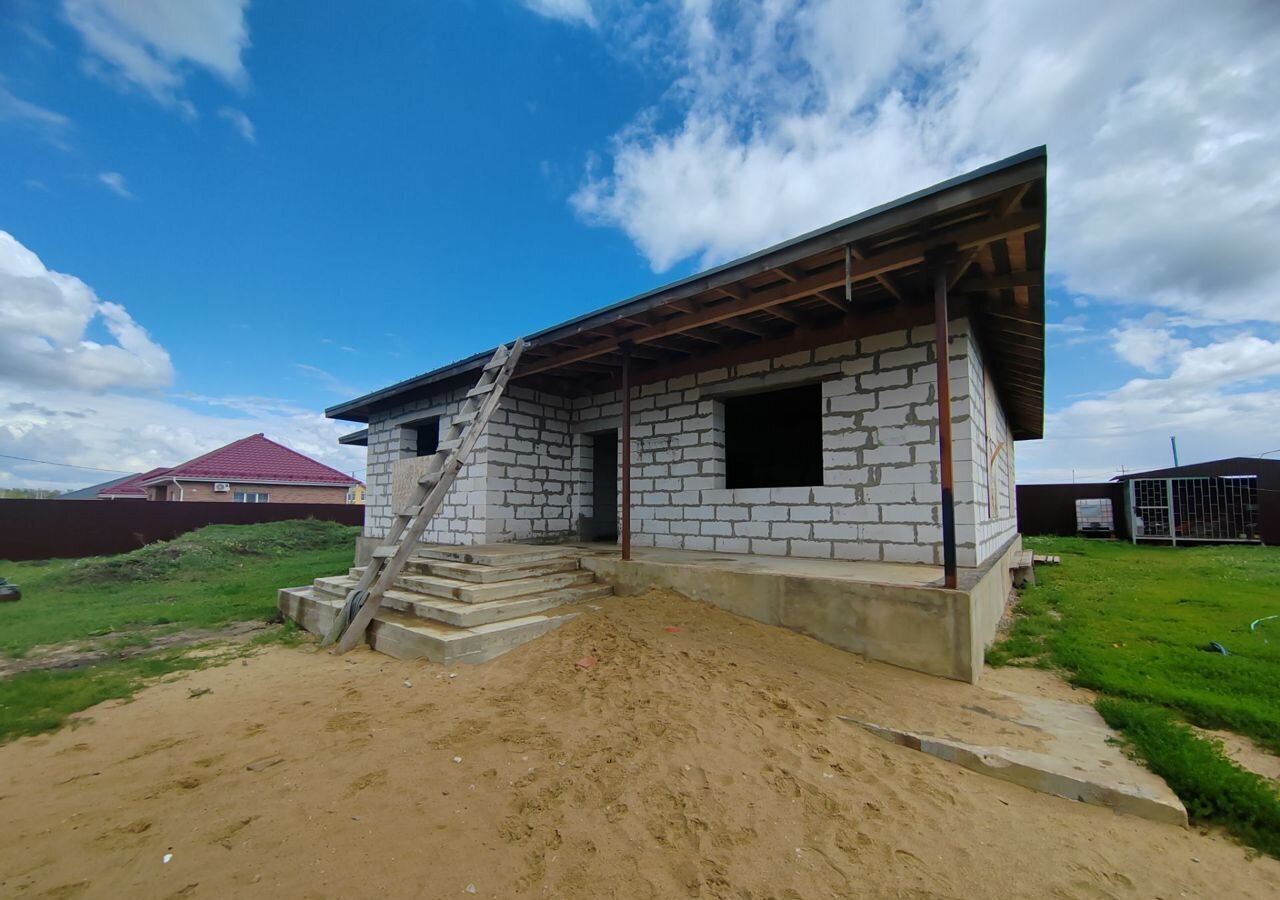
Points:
(451, 589)
(492, 554)
(408, 637)
(460, 613)
(481, 574)
(466, 615)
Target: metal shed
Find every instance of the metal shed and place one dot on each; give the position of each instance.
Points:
(1222, 501)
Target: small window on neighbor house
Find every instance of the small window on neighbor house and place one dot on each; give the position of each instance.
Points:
(774, 439)
(426, 436)
(250, 497)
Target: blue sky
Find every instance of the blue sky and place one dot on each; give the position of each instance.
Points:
(258, 210)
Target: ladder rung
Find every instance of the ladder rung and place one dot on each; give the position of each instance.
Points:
(498, 360)
(449, 444)
(384, 552)
(480, 390)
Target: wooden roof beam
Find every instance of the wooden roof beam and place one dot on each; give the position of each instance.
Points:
(795, 276)
(965, 237)
(886, 280)
(1007, 207)
(1000, 282)
(737, 292)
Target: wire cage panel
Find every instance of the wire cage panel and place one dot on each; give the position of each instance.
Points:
(1223, 509)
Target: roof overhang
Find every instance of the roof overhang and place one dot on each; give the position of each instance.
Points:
(863, 275)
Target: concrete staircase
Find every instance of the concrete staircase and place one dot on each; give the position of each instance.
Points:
(458, 604)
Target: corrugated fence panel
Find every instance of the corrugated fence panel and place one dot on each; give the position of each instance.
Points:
(48, 529)
(1051, 508)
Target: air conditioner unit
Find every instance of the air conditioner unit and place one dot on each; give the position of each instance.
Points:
(221, 487)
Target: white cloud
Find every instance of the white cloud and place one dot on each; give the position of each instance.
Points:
(784, 116)
(45, 318)
(51, 125)
(573, 11)
(116, 184)
(135, 433)
(1148, 345)
(69, 399)
(1220, 395)
(240, 122)
(153, 44)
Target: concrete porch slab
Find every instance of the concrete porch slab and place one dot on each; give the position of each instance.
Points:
(1075, 756)
(897, 613)
(870, 572)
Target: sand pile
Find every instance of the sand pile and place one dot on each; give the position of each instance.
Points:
(654, 747)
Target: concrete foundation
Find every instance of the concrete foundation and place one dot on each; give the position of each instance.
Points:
(895, 613)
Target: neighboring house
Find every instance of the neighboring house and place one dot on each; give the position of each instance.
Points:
(784, 404)
(99, 491)
(250, 470)
(131, 488)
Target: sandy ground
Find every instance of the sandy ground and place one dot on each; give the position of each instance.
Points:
(703, 762)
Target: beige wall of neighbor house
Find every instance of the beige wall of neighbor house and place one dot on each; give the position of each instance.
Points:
(530, 477)
(203, 491)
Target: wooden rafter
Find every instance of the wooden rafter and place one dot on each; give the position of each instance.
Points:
(964, 238)
(886, 280)
(1015, 279)
(795, 276)
(1007, 207)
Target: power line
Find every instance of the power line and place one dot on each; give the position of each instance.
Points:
(49, 462)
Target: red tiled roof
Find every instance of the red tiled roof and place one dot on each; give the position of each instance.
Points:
(132, 486)
(256, 459)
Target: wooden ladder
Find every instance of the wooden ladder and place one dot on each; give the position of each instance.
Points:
(428, 495)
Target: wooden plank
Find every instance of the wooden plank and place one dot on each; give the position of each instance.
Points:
(806, 337)
(382, 574)
(965, 237)
(886, 281)
(1007, 207)
(794, 275)
(1014, 279)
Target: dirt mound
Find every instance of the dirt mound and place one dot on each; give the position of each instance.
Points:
(213, 546)
(698, 757)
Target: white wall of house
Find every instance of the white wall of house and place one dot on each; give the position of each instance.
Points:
(531, 477)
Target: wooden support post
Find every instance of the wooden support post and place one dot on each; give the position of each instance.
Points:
(942, 352)
(625, 449)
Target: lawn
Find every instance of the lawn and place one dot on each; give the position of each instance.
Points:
(214, 576)
(1135, 623)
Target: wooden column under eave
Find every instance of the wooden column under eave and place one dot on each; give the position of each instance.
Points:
(941, 351)
(625, 450)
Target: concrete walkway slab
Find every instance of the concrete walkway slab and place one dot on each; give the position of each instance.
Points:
(1077, 757)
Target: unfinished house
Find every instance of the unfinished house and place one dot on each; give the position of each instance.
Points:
(819, 436)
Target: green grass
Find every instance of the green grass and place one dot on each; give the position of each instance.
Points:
(35, 702)
(1132, 623)
(1212, 788)
(210, 577)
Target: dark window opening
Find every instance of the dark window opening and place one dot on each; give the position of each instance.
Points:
(426, 436)
(774, 439)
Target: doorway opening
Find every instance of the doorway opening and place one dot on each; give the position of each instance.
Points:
(604, 486)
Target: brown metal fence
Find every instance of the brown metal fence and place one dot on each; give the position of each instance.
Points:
(48, 529)
(1051, 508)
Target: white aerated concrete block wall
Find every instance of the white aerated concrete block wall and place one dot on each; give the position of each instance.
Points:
(879, 500)
(532, 472)
(880, 494)
(462, 519)
(987, 515)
